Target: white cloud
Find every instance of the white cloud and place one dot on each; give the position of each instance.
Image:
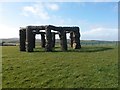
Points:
(40, 9)
(101, 34)
(37, 11)
(52, 6)
(8, 31)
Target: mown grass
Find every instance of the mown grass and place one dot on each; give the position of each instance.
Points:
(89, 67)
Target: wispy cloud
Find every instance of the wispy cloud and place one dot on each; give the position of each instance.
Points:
(40, 10)
(52, 6)
(101, 34)
(8, 31)
(37, 10)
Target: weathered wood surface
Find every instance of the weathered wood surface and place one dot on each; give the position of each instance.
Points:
(27, 37)
(22, 35)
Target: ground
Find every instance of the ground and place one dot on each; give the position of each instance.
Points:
(90, 67)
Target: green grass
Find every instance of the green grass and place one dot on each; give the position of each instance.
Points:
(89, 67)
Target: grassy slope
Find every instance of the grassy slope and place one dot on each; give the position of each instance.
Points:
(90, 67)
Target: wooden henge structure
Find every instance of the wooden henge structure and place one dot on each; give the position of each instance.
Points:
(27, 37)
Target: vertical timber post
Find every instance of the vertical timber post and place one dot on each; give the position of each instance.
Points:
(63, 40)
(53, 39)
(33, 40)
(78, 46)
(76, 37)
(71, 38)
(42, 40)
(29, 39)
(48, 46)
(22, 37)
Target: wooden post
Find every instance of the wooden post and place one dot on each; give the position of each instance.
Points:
(22, 38)
(53, 39)
(33, 40)
(78, 45)
(43, 40)
(29, 39)
(71, 38)
(76, 39)
(63, 40)
(48, 46)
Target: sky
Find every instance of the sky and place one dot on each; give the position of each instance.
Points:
(97, 20)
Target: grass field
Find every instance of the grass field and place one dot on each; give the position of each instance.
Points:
(89, 67)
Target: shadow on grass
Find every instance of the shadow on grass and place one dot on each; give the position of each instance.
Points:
(90, 49)
(83, 49)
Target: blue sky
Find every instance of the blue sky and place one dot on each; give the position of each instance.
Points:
(97, 20)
